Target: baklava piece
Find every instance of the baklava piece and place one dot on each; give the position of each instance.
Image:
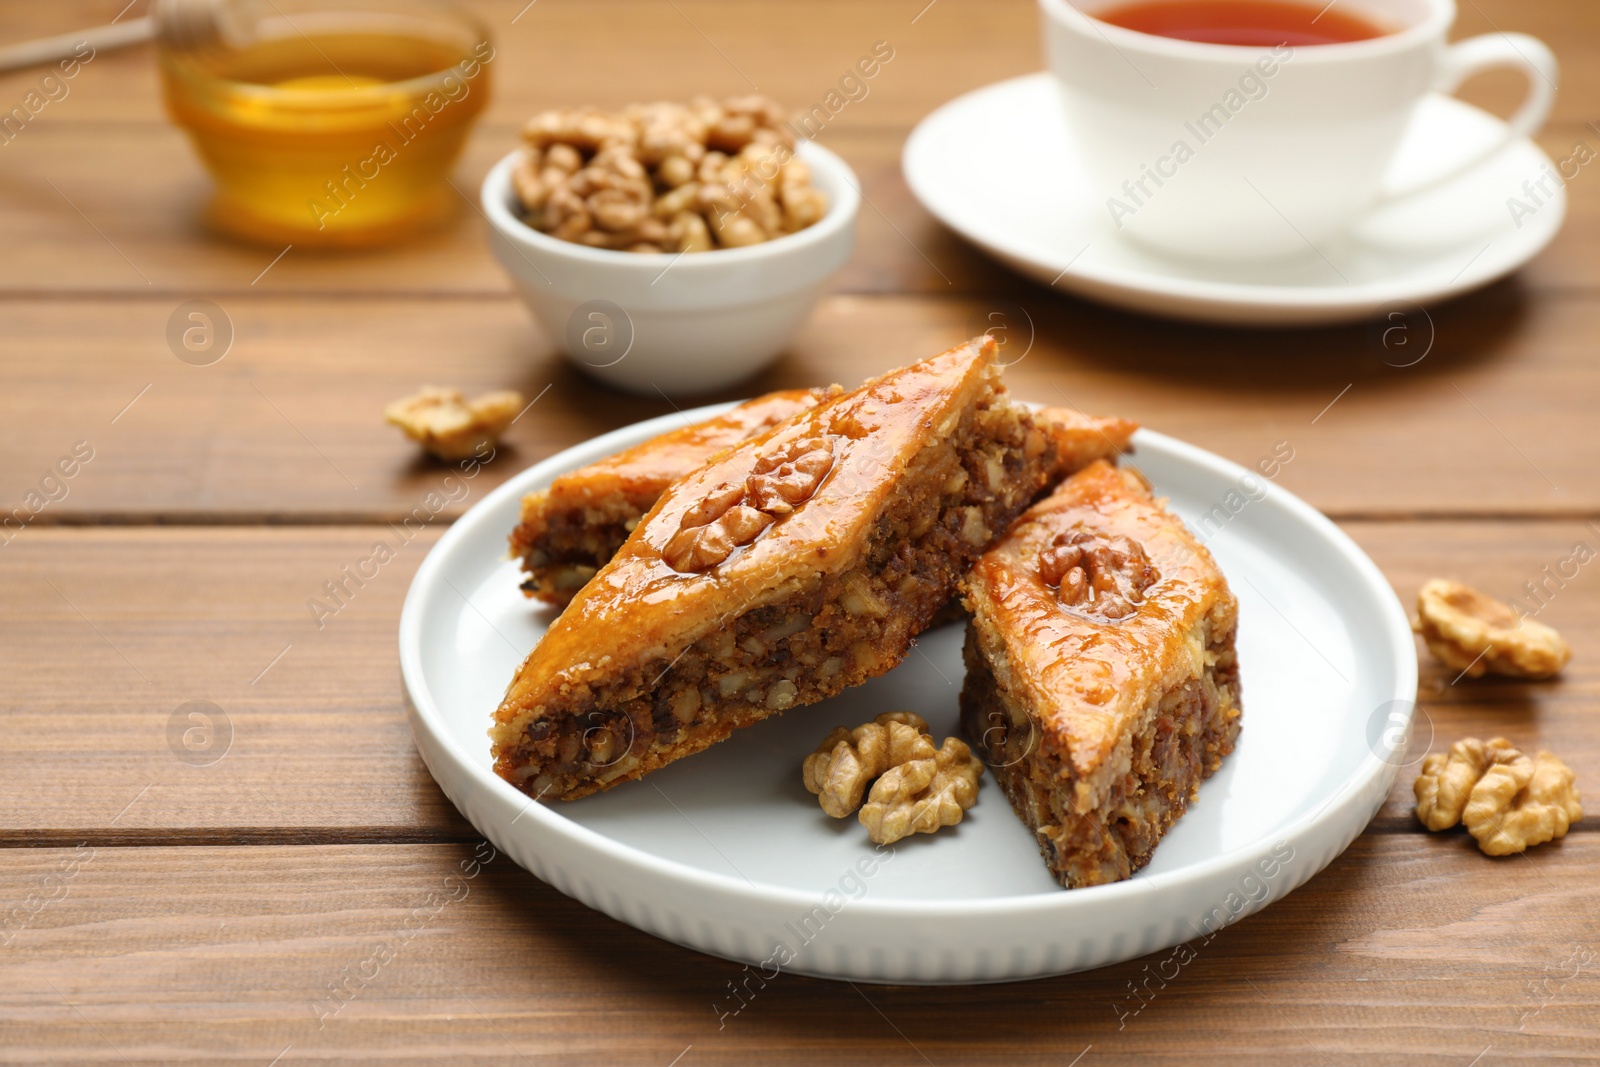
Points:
(1102, 685)
(571, 528)
(793, 565)
(1081, 439)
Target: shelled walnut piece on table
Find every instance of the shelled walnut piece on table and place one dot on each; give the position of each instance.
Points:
(1507, 801)
(666, 177)
(1477, 634)
(448, 425)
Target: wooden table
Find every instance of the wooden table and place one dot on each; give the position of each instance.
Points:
(158, 911)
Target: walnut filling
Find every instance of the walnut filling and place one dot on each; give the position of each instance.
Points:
(959, 492)
(574, 543)
(1093, 832)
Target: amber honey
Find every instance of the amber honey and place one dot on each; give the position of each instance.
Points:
(322, 133)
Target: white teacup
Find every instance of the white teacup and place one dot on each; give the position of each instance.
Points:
(1223, 152)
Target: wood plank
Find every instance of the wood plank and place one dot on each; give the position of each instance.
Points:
(73, 232)
(192, 948)
(193, 955)
(71, 229)
(557, 54)
(1502, 559)
(568, 53)
(312, 731)
(109, 632)
(287, 426)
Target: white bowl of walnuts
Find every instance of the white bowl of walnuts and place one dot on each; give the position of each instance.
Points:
(671, 247)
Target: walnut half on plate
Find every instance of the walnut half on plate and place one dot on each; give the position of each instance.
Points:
(848, 761)
(918, 796)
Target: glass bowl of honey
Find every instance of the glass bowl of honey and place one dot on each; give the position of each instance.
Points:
(332, 123)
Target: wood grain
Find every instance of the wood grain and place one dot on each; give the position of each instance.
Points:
(287, 426)
(555, 54)
(71, 231)
(196, 955)
(117, 630)
(143, 234)
(209, 905)
(111, 631)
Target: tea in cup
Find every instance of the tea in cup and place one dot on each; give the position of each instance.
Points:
(1257, 129)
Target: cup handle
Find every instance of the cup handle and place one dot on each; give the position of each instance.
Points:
(1464, 59)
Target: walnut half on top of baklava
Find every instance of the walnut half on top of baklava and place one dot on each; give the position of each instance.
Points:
(793, 565)
(1102, 684)
(570, 528)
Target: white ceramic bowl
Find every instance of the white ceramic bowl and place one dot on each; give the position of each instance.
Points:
(680, 324)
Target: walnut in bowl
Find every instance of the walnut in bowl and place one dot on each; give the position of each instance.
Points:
(666, 177)
(676, 320)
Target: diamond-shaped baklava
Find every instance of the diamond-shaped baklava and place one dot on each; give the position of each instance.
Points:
(1102, 685)
(796, 563)
(569, 529)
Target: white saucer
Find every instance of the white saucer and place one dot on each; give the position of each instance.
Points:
(726, 852)
(997, 166)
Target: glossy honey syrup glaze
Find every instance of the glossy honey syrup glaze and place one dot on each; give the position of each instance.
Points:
(645, 470)
(877, 429)
(781, 541)
(561, 523)
(1087, 677)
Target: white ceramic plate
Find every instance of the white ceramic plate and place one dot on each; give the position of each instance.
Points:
(727, 853)
(998, 167)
